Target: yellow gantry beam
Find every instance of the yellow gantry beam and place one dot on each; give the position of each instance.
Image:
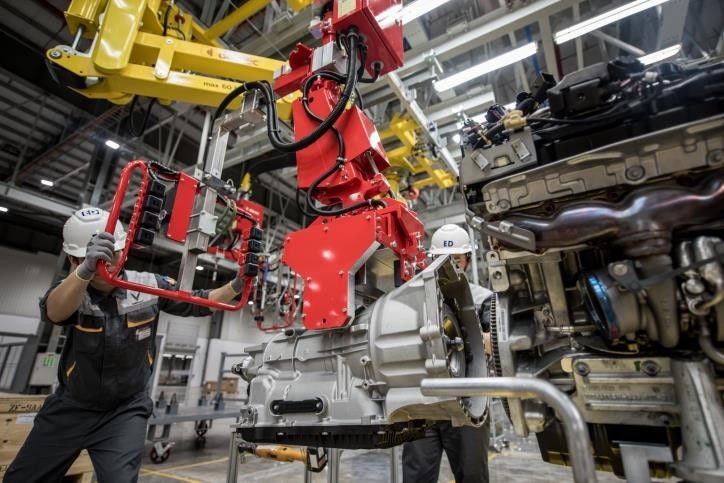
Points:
(404, 129)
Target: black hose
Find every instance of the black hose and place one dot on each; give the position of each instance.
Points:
(131, 125)
(241, 89)
(334, 115)
(165, 19)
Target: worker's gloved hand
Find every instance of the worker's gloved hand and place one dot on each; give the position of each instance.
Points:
(100, 247)
(238, 283)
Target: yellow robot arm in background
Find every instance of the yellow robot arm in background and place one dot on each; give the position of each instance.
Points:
(406, 159)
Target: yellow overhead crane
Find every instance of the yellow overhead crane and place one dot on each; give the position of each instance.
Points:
(152, 48)
(408, 159)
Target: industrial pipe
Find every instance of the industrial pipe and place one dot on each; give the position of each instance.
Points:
(579, 443)
(708, 346)
(655, 210)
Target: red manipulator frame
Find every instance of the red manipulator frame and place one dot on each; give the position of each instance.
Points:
(181, 201)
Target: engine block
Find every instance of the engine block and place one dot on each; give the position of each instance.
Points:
(606, 262)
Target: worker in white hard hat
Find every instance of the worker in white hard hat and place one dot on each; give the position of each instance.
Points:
(466, 446)
(102, 403)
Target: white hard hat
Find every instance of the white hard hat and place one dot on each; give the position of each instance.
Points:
(450, 240)
(85, 223)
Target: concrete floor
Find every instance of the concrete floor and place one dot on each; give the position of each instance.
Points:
(520, 463)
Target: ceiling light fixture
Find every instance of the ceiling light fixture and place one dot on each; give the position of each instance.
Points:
(112, 144)
(490, 65)
(418, 8)
(3, 209)
(46, 182)
(456, 138)
(604, 19)
(660, 55)
(199, 268)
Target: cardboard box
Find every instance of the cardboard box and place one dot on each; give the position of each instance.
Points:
(81, 465)
(17, 414)
(21, 403)
(229, 385)
(14, 428)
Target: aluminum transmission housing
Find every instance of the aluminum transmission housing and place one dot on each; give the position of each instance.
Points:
(359, 387)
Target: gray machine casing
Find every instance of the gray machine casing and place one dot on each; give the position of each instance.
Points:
(366, 377)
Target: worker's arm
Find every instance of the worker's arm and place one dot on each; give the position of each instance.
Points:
(62, 301)
(225, 293)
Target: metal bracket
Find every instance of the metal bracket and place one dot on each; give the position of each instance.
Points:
(217, 184)
(509, 233)
(636, 459)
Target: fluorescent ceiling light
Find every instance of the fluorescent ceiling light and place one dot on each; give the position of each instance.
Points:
(47, 183)
(418, 8)
(659, 55)
(112, 144)
(604, 19)
(515, 55)
(471, 103)
(3, 209)
(199, 268)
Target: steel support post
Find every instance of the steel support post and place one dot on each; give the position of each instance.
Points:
(549, 48)
(233, 467)
(702, 420)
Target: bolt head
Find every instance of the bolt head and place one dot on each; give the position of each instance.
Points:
(582, 369)
(650, 368)
(620, 269)
(55, 54)
(635, 173)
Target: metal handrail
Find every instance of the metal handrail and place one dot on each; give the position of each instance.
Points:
(579, 442)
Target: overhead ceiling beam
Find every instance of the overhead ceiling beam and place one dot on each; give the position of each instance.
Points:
(487, 28)
(35, 201)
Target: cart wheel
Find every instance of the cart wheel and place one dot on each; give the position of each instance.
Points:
(158, 459)
(201, 428)
(200, 442)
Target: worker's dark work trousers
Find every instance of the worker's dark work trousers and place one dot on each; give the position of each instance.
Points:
(114, 439)
(466, 448)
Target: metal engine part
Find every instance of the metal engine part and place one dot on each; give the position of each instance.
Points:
(359, 387)
(607, 270)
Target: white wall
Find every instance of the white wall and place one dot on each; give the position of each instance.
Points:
(24, 279)
(241, 327)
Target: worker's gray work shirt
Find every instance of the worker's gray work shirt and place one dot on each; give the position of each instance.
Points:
(110, 346)
(480, 295)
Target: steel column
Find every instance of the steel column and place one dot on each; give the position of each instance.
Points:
(549, 48)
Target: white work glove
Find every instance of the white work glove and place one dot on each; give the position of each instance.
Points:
(100, 247)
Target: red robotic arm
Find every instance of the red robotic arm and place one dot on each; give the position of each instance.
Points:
(342, 168)
(340, 160)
